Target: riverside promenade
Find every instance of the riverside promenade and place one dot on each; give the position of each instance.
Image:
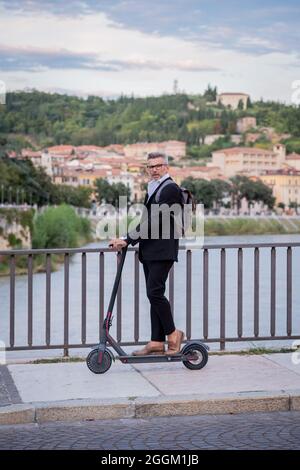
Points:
(68, 391)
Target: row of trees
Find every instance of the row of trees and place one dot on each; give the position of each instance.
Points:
(21, 182)
(45, 119)
(109, 193)
(213, 193)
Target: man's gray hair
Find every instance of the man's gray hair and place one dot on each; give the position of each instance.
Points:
(158, 155)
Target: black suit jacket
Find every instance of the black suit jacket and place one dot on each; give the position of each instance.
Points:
(151, 249)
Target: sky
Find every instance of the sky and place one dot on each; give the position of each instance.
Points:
(114, 47)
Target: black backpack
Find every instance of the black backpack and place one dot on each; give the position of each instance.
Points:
(188, 204)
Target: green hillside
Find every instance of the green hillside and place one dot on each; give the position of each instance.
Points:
(37, 119)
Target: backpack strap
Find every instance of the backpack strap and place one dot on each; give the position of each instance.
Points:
(161, 187)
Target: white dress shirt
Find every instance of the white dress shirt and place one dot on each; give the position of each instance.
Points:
(153, 184)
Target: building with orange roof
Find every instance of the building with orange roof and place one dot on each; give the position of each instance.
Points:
(173, 148)
(88, 148)
(38, 159)
(285, 184)
(61, 149)
(118, 148)
(293, 159)
(197, 172)
(248, 160)
(79, 176)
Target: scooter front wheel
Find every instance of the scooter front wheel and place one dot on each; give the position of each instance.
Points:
(96, 366)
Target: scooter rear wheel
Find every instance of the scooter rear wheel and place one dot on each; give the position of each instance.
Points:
(197, 356)
(93, 364)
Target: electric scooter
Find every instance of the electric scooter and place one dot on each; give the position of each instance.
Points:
(193, 355)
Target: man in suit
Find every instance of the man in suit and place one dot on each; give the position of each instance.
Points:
(157, 253)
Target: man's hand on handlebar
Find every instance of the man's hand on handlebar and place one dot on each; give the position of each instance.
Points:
(117, 244)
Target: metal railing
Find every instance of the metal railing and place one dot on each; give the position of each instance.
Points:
(291, 332)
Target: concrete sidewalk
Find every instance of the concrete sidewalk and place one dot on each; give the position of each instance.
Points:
(227, 384)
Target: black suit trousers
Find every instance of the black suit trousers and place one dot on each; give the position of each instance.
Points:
(156, 274)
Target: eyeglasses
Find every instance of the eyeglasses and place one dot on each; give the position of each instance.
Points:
(152, 167)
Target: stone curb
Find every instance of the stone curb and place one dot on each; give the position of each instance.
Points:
(17, 414)
(79, 410)
(177, 405)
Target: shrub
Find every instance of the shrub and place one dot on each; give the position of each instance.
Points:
(59, 227)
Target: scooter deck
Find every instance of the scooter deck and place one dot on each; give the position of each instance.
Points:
(152, 358)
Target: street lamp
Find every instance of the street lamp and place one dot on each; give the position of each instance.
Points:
(17, 196)
(2, 194)
(9, 194)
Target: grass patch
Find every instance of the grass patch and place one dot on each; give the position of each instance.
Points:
(57, 360)
(244, 226)
(253, 351)
(245, 352)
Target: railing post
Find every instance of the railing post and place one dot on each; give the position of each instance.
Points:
(12, 300)
(48, 298)
(66, 305)
(256, 292)
(240, 293)
(83, 298)
(273, 291)
(222, 300)
(205, 293)
(289, 292)
(29, 298)
(188, 291)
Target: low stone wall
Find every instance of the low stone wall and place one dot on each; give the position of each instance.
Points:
(15, 229)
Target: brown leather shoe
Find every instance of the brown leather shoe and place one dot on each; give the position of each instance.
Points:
(175, 346)
(153, 347)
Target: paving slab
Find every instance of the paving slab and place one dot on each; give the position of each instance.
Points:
(54, 382)
(8, 392)
(289, 360)
(222, 374)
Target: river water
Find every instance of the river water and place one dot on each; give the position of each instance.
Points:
(57, 295)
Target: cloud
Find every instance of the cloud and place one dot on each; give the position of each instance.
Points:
(37, 60)
(56, 7)
(141, 47)
(82, 94)
(214, 22)
(258, 44)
